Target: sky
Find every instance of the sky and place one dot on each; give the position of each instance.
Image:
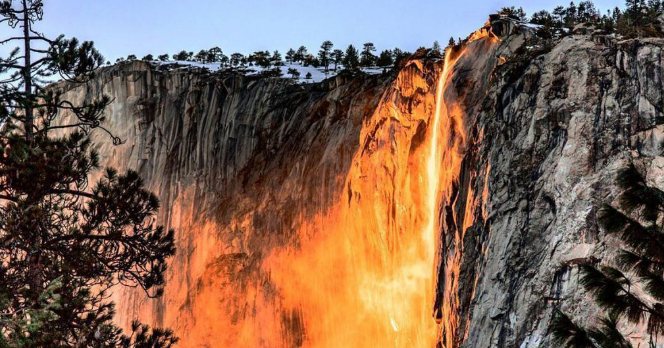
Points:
(123, 27)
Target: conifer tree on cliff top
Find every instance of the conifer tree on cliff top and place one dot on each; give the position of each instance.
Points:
(351, 60)
(64, 241)
(631, 291)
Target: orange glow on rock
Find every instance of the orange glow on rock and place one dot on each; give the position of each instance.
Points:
(362, 271)
(363, 276)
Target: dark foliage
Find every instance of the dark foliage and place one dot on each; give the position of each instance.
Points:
(633, 289)
(65, 241)
(351, 58)
(638, 19)
(568, 334)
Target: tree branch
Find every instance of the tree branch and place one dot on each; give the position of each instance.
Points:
(72, 192)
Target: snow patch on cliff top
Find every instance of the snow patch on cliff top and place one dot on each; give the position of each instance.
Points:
(317, 74)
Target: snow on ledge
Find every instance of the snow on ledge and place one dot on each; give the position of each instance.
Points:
(317, 74)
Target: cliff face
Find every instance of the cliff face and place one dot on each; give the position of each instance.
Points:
(447, 203)
(561, 125)
(239, 164)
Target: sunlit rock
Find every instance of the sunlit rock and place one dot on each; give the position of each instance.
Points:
(445, 204)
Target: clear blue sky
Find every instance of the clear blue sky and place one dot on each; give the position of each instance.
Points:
(122, 27)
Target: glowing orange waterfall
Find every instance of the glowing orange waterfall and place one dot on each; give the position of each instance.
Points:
(364, 274)
(448, 138)
(448, 149)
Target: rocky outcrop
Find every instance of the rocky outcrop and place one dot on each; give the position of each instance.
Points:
(330, 215)
(562, 124)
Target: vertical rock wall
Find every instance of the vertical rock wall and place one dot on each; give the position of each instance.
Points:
(301, 212)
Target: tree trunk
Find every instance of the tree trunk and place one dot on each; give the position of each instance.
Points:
(27, 75)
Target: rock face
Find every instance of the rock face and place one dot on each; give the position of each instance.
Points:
(561, 126)
(444, 204)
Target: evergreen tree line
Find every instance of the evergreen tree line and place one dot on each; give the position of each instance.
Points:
(327, 57)
(639, 18)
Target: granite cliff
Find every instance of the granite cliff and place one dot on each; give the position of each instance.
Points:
(445, 204)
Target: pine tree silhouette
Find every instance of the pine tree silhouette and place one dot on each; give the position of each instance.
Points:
(64, 241)
(633, 289)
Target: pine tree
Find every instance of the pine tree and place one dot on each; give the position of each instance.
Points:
(633, 7)
(214, 54)
(148, 58)
(236, 58)
(559, 13)
(309, 60)
(163, 57)
(385, 59)
(301, 54)
(131, 57)
(276, 59)
(634, 17)
(368, 59)
(201, 56)
(65, 241)
(637, 223)
(399, 57)
(290, 55)
(566, 333)
(352, 58)
(182, 56)
(542, 18)
(325, 54)
(570, 15)
(262, 58)
(294, 73)
(513, 12)
(313, 61)
(586, 12)
(338, 57)
(640, 18)
(308, 76)
(224, 60)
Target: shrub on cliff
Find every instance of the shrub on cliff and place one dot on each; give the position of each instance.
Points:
(274, 72)
(294, 73)
(64, 240)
